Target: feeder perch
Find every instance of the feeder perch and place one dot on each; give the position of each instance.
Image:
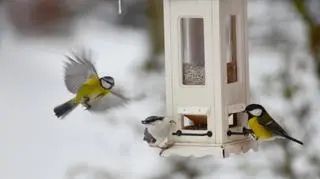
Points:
(207, 86)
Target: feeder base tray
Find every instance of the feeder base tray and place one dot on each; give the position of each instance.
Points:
(216, 150)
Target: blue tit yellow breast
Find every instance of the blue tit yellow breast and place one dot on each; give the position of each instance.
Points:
(259, 130)
(91, 88)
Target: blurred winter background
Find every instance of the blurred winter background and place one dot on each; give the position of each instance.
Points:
(284, 44)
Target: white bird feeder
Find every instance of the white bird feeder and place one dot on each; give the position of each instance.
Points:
(207, 86)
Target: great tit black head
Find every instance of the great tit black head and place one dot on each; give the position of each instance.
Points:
(107, 82)
(255, 110)
(152, 120)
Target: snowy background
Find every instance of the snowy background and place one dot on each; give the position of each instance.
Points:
(34, 144)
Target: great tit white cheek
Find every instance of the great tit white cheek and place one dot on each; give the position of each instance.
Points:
(256, 112)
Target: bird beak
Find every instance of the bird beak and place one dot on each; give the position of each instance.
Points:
(143, 122)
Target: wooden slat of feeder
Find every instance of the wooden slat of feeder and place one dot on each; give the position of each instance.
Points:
(197, 120)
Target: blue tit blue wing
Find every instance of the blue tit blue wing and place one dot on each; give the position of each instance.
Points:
(78, 68)
(111, 100)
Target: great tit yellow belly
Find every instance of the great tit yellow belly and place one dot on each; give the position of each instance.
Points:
(259, 131)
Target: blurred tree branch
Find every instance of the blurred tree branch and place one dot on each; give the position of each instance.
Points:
(313, 28)
(83, 169)
(276, 38)
(188, 168)
(147, 14)
(154, 13)
(300, 6)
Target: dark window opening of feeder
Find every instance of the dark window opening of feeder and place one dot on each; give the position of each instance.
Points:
(232, 72)
(232, 119)
(194, 122)
(192, 46)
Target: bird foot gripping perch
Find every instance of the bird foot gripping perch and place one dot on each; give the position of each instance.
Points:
(245, 132)
(165, 148)
(86, 102)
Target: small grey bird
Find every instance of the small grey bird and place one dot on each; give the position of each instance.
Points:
(157, 131)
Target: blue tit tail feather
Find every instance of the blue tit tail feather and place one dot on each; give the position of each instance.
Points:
(293, 139)
(65, 108)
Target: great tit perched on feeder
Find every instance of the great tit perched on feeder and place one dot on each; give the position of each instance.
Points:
(95, 93)
(263, 126)
(157, 131)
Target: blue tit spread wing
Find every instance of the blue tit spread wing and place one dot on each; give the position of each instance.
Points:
(111, 100)
(271, 125)
(78, 68)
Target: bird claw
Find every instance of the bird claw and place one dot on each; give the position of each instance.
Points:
(165, 148)
(252, 136)
(87, 106)
(86, 103)
(249, 133)
(160, 153)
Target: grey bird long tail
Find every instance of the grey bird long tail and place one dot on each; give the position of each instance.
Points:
(293, 139)
(62, 110)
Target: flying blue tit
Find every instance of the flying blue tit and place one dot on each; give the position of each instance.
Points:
(95, 93)
(157, 132)
(263, 126)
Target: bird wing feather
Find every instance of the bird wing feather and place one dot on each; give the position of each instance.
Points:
(148, 137)
(160, 131)
(271, 125)
(78, 68)
(277, 130)
(111, 100)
